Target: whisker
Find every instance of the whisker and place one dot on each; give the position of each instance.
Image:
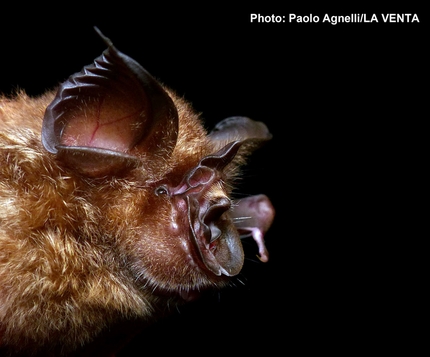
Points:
(244, 218)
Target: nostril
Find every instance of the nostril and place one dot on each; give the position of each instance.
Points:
(216, 210)
(212, 217)
(215, 232)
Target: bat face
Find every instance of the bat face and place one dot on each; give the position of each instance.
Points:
(115, 200)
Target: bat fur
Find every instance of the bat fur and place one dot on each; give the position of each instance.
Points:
(85, 245)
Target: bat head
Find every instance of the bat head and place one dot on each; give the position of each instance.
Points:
(161, 182)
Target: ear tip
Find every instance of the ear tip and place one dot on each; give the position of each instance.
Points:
(104, 38)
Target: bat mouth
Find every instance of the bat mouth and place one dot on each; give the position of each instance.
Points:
(215, 238)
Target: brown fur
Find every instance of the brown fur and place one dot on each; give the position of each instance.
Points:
(115, 207)
(77, 254)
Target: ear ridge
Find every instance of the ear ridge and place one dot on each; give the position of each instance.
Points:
(112, 107)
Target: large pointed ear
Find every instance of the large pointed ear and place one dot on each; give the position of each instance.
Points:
(111, 116)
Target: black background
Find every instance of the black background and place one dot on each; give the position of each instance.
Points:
(343, 103)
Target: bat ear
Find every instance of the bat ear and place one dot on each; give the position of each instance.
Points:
(250, 133)
(111, 116)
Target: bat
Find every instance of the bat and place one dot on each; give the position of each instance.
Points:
(116, 205)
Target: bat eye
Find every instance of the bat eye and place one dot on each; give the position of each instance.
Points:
(162, 190)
